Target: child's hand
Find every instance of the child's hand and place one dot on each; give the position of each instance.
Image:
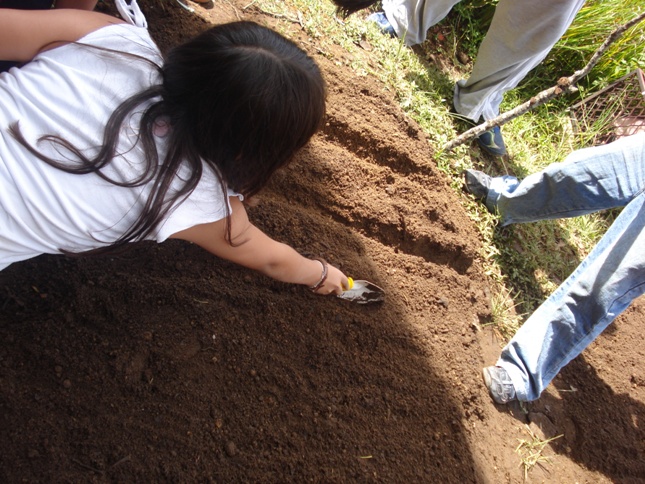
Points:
(335, 282)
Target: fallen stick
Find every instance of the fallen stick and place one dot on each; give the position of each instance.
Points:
(564, 85)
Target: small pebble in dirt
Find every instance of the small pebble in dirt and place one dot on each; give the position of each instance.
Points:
(231, 449)
(67, 384)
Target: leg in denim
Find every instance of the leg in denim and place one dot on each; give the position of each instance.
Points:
(601, 287)
(609, 278)
(588, 180)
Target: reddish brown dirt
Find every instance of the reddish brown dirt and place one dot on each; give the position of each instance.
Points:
(165, 364)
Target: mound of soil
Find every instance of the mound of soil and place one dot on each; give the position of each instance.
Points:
(165, 364)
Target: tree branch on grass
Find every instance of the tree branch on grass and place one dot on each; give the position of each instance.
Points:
(564, 85)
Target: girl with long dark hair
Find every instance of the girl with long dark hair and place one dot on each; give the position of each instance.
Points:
(104, 142)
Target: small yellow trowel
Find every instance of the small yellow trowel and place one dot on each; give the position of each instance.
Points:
(362, 292)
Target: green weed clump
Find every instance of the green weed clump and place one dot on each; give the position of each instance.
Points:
(593, 24)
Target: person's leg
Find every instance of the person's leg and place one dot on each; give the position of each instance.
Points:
(588, 180)
(600, 288)
(521, 34)
(411, 19)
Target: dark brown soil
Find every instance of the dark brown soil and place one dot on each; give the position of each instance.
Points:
(164, 364)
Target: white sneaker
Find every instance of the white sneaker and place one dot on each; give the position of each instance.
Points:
(499, 384)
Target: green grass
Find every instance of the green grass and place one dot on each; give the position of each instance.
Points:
(595, 21)
(525, 262)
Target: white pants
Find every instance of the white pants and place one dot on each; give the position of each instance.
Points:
(520, 36)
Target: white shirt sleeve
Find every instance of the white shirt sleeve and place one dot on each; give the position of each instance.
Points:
(206, 204)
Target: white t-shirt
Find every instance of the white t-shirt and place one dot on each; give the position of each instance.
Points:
(71, 91)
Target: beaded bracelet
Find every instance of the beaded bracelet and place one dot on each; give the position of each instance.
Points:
(323, 277)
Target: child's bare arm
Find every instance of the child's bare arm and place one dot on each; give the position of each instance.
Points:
(252, 248)
(25, 33)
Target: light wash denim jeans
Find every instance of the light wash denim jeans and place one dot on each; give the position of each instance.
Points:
(606, 281)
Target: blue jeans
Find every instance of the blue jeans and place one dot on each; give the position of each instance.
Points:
(606, 281)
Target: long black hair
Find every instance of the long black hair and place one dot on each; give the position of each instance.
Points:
(239, 97)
